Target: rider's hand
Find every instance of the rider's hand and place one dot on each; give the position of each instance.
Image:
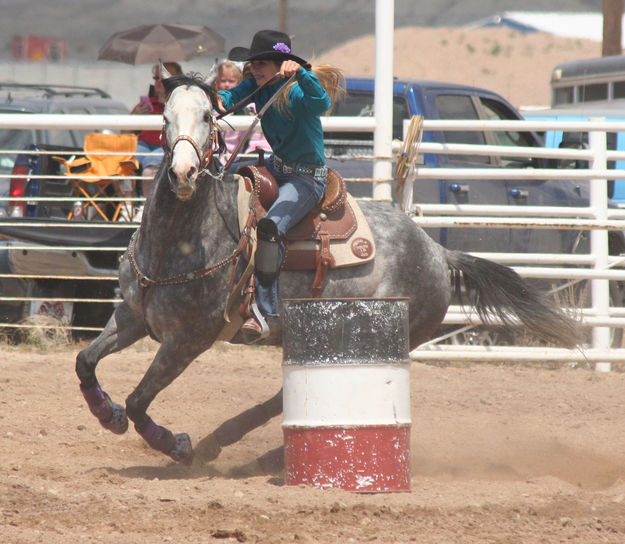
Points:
(289, 67)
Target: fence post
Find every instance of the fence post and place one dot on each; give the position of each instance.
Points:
(600, 289)
(383, 97)
(346, 395)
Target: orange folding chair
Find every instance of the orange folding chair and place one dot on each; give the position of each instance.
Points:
(100, 170)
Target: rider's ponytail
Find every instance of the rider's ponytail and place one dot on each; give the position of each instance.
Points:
(331, 79)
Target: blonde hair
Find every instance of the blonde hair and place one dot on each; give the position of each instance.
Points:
(228, 66)
(331, 78)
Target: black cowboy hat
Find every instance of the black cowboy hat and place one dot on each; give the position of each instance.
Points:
(266, 45)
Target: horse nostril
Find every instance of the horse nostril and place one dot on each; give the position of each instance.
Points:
(191, 173)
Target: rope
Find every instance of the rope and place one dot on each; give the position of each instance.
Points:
(408, 154)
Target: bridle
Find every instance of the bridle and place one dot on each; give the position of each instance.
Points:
(203, 157)
(247, 242)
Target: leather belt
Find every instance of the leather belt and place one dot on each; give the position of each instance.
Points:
(288, 167)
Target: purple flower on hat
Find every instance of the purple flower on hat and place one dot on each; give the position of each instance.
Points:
(282, 47)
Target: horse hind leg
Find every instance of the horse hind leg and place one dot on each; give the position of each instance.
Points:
(123, 329)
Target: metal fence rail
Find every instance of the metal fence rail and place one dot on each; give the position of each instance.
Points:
(598, 266)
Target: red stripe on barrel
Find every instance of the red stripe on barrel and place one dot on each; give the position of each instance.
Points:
(361, 459)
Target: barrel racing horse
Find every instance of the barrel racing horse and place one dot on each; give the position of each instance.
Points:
(177, 273)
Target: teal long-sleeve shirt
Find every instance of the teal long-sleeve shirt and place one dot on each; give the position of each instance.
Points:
(294, 135)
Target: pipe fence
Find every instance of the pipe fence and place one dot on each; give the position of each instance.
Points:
(598, 266)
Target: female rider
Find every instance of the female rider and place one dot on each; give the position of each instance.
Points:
(292, 126)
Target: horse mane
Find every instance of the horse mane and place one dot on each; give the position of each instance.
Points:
(191, 79)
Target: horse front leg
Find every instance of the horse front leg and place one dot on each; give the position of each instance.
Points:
(169, 363)
(123, 329)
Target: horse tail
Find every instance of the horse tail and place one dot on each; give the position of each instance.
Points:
(498, 291)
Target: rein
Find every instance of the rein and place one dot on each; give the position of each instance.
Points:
(247, 239)
(256, 119)
(244, 100)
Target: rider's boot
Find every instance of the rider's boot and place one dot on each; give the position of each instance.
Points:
(268, 259)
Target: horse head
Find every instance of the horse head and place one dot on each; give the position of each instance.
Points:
(190, 132)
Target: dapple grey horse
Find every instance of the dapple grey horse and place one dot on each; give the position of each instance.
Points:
(176, 273)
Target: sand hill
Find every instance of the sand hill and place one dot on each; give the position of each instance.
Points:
(516, 65)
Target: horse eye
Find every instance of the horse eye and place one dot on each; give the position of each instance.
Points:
(208, 117)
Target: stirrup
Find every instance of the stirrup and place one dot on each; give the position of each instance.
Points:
(264, 328)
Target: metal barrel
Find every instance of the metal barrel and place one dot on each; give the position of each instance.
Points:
(346, 371)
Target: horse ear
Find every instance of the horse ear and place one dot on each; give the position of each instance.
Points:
(212, 74)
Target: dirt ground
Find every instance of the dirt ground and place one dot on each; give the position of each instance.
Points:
(499, 454)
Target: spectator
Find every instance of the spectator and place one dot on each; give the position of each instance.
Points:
(229, 76)
(149, 141)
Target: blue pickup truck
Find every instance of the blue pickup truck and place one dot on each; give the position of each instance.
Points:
(437, 100)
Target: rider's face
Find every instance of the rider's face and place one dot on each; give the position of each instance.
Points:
(263, 70)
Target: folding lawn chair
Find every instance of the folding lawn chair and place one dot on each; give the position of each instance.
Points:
(99, 173)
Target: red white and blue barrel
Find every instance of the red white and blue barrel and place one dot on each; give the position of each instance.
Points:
(346, 371)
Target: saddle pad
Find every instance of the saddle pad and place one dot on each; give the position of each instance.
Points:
(357, 249)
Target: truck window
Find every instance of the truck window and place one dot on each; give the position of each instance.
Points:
(66, 137)
(563, 95)
(455, 106)
(593, 92)
(360, 104)
(13, 139)
(496, 111)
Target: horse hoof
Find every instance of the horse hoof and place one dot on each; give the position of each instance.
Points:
(183, 450)
(118, 423)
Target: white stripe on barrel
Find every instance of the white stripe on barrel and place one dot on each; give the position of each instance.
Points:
(346, 375)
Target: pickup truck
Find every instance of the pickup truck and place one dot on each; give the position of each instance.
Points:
(433, 100)
(23, 176)
(438, 100)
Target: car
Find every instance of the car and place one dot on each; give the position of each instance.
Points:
(21, 178)
(32, 98)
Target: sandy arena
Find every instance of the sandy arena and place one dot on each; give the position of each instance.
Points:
(500, 454)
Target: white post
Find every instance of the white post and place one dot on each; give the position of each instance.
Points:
(600, 289)
(383, 103)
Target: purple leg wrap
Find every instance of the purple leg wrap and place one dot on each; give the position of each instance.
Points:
(112, 416)
(157, 437)
(98, 401)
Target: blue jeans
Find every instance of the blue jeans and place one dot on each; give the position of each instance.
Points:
(155, 154)
(298, 194)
